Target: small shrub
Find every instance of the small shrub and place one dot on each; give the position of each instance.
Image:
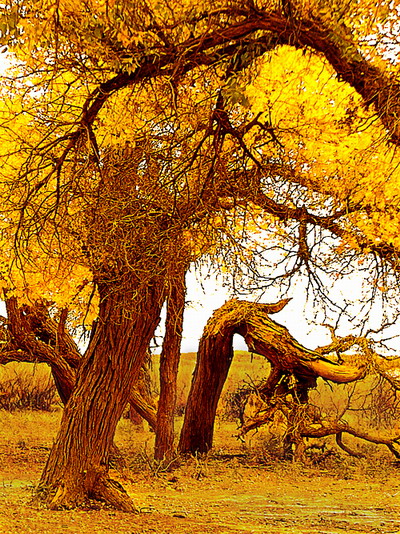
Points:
(384, 407)
(234, 404)
(24, 387)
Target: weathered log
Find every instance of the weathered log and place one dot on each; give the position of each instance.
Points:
(309, 423)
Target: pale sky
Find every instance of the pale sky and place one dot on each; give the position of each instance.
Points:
(4, 60)
(297, 316)
(201, 305)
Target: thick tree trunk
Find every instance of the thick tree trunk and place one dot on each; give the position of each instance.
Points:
(141, 400)
(144, 407)
(77, 468)
(213, 362)
(169, 363)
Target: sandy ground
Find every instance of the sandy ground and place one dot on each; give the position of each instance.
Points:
(221, 494)
(237, 489)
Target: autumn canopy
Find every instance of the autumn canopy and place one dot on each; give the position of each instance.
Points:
(139, 138)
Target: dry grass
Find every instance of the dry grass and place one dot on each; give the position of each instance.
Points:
(237, 488)
(245, 368)
(369, 406)
(27, 386)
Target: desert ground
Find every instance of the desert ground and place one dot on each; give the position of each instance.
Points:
(238, 488)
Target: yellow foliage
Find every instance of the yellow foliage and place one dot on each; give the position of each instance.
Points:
(317, 145)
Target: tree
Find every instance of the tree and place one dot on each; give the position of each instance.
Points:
(294, 371)
(31, 334)
(140, 137)
(169, 364)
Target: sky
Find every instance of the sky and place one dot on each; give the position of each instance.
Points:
(298, 316)
(4, 61)
(203, 299)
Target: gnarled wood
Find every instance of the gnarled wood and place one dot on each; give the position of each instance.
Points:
(309, 423)
(263, 336)
(32, 335)
(77, 468)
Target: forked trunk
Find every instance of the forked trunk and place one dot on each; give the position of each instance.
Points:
(77, 468)
(263, 336)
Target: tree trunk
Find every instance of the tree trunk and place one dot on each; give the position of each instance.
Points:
(135, 418)
(141, 400)
(77, 468)
(213, 362)
(169, 363)
(144, 407)
(32, 335)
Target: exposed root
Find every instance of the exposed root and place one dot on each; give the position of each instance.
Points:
(108, 492)
(307, 424)
(113, 494)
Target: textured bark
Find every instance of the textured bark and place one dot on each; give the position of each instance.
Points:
(169, 363)
(144, 407)
(263, 336)
(305, 422)
(34, 336)
(141, 400)
(77, 468)
(213, 362)
(31, 335)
